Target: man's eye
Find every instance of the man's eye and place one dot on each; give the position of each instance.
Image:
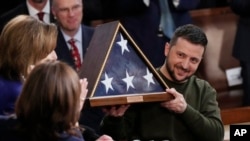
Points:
(63, 10)
(194, 61)
(180, 55)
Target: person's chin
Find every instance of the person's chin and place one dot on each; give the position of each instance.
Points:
(180, 78)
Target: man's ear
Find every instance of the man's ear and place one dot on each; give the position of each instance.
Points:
(167, 49)
(53, 12)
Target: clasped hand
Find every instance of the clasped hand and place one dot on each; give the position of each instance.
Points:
(178, 104)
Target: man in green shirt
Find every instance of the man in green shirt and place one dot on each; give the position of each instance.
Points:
(193, 114)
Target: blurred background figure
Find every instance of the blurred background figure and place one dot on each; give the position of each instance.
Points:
(39, 9)
(241, 44)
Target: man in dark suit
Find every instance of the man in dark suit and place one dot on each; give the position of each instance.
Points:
(69, 14)
(29, 7)
(63, 50)
(241, 49)
(69, 18)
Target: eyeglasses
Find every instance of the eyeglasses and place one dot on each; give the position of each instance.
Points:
(75, 8)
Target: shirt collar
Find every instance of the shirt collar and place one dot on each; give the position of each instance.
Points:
(33, 11)
(77, 37)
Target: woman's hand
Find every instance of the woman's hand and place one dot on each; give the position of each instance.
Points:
(84, 91)
(104, 138)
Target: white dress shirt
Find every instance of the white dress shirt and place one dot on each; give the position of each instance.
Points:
(78, 41)
(33, 12)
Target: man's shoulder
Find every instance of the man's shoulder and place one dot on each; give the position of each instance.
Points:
(86, 27)
(199, 81)
(87, 31)
(202, 86)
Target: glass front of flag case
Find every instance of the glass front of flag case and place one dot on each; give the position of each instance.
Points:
(117, 70)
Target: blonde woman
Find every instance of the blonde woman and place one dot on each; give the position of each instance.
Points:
(24, 42)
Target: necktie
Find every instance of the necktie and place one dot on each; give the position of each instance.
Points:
(75, 54)
(40, 15)
(166, 23)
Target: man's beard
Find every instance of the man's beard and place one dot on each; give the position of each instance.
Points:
(171, 74)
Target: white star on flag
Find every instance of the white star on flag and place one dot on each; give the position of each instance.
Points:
(128, 73)
(107, 83)
(123, 44)
(128, 80)
(149, 77)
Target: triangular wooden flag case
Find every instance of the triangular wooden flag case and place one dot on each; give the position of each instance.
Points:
(117, 70)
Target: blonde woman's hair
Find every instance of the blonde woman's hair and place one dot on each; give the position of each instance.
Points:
(24, 41)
